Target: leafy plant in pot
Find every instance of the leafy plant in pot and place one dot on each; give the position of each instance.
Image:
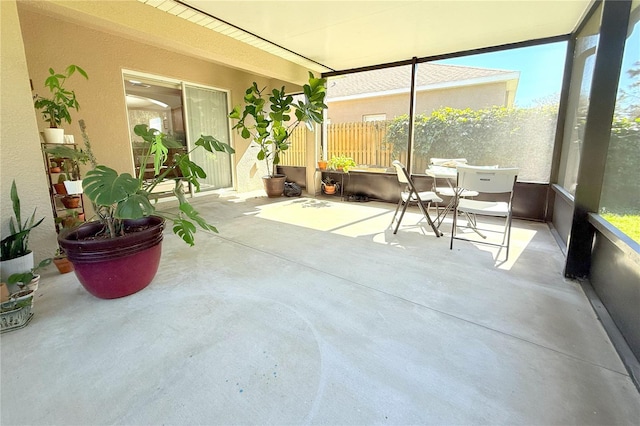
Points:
(55, 110)
(72, 158)
(15, 255)
(329, 185)
(270, 125)
(119, 253)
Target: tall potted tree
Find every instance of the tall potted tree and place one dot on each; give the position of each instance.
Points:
(118, 254)
(55, 109)
(270, 125)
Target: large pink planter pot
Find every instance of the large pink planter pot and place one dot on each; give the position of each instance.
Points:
(118, 267)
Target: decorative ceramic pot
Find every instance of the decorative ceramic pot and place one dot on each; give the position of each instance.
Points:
(274, 185)
(53, 135)
(110, 268)
(16, 265)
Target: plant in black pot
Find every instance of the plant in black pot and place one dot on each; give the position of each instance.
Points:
(55, 109)
(270, 125)
(119, 253)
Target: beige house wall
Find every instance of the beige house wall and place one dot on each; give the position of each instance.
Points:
(105, 37)
(51, 41)
(475, 97)
(20, 155)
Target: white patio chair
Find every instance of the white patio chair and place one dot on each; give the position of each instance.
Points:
(495, 185)
(411, 195)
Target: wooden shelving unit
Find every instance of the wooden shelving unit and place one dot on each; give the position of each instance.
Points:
(60, 212)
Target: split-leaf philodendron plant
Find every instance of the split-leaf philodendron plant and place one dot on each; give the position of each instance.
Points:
(117, 196)
(272, 125)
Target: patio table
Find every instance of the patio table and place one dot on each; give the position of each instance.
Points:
(450, 174)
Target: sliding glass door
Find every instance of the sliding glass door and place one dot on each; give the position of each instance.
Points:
(206, 111)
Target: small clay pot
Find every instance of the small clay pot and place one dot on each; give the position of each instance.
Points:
(63, 264)
(60, 188)
(71, 202)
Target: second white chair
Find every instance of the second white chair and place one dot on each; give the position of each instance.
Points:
(488, 182)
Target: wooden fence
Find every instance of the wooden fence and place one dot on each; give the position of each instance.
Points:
(364, 142)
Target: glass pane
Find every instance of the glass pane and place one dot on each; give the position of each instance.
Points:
(207, 115)
(579, 96)
(496, 108)
(158, 104)
(367, 117)
(620, 199)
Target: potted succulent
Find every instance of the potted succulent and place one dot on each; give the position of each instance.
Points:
(15, 255)
(341, 162)
(54, 110)
(119, 253)
(270, 124)
(329, 185)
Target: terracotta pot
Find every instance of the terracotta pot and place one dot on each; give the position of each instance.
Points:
(71, 202)
(274, 185)
(60, 188)
(115, 267)
(329, 189)
(322, 165)
(55, 170)
(63, 264)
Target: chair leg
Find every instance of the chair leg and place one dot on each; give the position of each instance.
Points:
(396, 213)
(453, 227)
(404, 209)
(425, 212)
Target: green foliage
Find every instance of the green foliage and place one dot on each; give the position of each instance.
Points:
(271, 128)
(72, 158)
(629, 224)
(16, 244)
(56, 109)
(122, 196)
(621, 187)
(506, 136)
(341, 162)
(25, 278)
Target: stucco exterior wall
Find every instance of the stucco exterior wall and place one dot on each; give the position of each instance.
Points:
(20, 155)
(475, 97)
(51, 41)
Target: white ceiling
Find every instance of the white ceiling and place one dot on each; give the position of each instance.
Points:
(342, 35)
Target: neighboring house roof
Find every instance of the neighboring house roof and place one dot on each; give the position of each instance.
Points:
(397, 79)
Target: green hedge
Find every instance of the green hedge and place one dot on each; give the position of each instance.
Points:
(520, 137)
(509, 137)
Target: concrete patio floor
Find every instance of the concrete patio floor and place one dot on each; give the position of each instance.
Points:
(310, 311)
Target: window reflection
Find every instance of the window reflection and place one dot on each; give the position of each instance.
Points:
(578, 105)
(620, 198)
